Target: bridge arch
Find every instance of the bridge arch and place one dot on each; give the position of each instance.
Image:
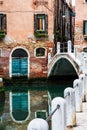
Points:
(62, 65)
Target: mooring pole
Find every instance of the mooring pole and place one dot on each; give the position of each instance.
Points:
(69, 95)
(59, 116)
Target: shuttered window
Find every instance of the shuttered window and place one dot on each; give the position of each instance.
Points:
(41, 22)
(84, 27)
(3, 22)
(2, 26)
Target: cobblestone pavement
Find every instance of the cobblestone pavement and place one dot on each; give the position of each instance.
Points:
(81, 119)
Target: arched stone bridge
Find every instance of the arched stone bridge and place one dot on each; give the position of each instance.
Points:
(65, 63)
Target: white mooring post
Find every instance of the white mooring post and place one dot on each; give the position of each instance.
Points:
(69, 95)
(59, 117)
(38, 124)
(78, 95)
(86, 87)
(84, 63)
(82, 79)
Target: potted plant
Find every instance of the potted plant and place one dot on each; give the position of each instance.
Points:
(2, 34)
(41, 34)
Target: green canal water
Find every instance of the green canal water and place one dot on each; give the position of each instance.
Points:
(54, 87)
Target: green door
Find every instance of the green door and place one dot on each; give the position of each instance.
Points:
(19, 66)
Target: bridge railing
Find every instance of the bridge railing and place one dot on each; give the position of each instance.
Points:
(65, 47)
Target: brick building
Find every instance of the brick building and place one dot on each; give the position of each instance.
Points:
(28, 31)
(81, 24)
(26, 37)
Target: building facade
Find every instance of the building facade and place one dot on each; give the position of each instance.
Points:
(64, 19)
(81, 24)
(29, 30)
(26, 37)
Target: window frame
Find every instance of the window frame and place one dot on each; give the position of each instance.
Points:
(84, 26)
(0, 52)
(40, 56)
(43, 111)
(45, 26)
(41, 22)
(85, 1)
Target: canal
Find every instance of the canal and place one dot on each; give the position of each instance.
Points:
(23, 100)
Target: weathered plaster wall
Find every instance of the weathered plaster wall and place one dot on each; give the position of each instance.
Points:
(20, 18)
(81, 15)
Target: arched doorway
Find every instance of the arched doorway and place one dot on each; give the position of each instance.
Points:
(19, 62)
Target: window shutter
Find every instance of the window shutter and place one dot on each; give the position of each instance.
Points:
(46, 23)
(4, 25)
(35, 23)
(83, 27)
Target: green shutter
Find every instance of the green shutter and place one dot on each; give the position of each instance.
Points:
(35, 23)
(4, 22)
(46, 23)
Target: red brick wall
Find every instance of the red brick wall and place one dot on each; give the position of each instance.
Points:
(38, 66)
(80, 9)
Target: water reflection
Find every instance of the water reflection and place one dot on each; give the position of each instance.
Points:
(2, 101)
(19, 105)
(41, 93)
